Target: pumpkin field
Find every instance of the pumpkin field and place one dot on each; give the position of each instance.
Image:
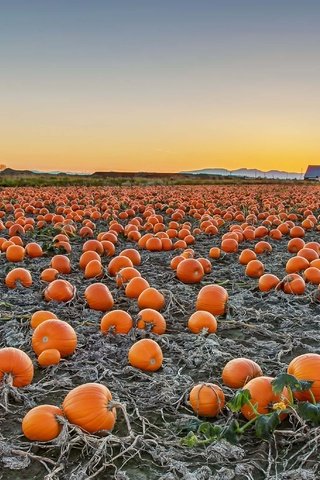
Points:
(160, 332)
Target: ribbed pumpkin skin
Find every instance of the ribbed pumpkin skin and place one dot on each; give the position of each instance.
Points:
(213, 299)
(40, 424)
(240, 371)
(262, 396)
(49, 357)
(190, 271)
(87, 407)
(17, 363)
(55, 334)
(307, 367)
(207, 399)
(59, 291)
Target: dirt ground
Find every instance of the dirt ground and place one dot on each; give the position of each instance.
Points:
(269, 328)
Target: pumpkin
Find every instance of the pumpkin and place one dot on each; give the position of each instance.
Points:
(21, 275)
(309, 253)
(40, 424)
(136, 286)
(307, 367)
(40, 316)
(202, 320)
(312, 275)
(87, 406)
(215, 252)
(238, 371)
(98, 297)
(125, 275)
(49, 357)
(229, 245)
(49, 274)
(86, 257)
(296, 264)
(15, 253)
(117, 263)
(175, 261)
(117, 320)
(268, 282)
(293, 284)
(246, 256)
(262, 397)
(59, 291)
(61, 263)
(207, 399)
(151, 298)
(146, 355)
(33, 250)
(55, 334)
(262, 247)
(254, 269)
(212, 298)
(295, 244)
(190, 271)
(93, 269)
(149, 317)
(18, 364)
(93, 245)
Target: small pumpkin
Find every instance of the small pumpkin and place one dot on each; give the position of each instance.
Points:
(146, 355)
(207, 399)
(238, 371)
(41, 424)
(60, 291)
(49, 357)
(117, 320)
(99, 297)
(307, 367)
(40, 316)
(148, 317)
(151, 298)
(202, 320)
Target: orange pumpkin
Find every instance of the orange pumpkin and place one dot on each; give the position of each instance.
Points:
(190, 271)
(125, 275)
(16, 363)
(21, 275)
(207, 399)
(307, 367)
(98, 297)
(262, 396)
(40, 316)
(118, 321)
(238, 371)
(49, 357)
(151, 298)
(59, 291)
(61, 263)
(149, 317)
(15, 253)
(293, 284)
(49, 274)
(212, 298)
(202, 320)
(268, 282)
(93, 269)
(146, 355)
(88, 407)
(55, 334)
(254, 269)
(136, 286)
(40, 424)
(117, 263)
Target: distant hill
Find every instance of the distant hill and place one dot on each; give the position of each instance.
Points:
(247, 172)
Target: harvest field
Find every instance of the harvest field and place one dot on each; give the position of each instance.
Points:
(239, 233)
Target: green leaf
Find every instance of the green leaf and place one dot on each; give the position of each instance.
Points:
(190, 440)
(285, 380)
(309, 411)
(231, 433)
(266, 424)
(241, 398)
(209, 431)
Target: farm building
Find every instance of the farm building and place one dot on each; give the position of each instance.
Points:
(312, 173)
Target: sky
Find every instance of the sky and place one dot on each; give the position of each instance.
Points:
(149, 85)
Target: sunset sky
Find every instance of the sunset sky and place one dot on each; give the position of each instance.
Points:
(170, 85)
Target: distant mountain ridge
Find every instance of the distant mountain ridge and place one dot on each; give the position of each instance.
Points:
(247, 172)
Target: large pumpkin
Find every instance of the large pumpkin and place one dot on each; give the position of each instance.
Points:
(88, 407)
(55, 334)
(41, 424)
(262, 396)
(212, 298)
(16, 363)
(307, 367)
